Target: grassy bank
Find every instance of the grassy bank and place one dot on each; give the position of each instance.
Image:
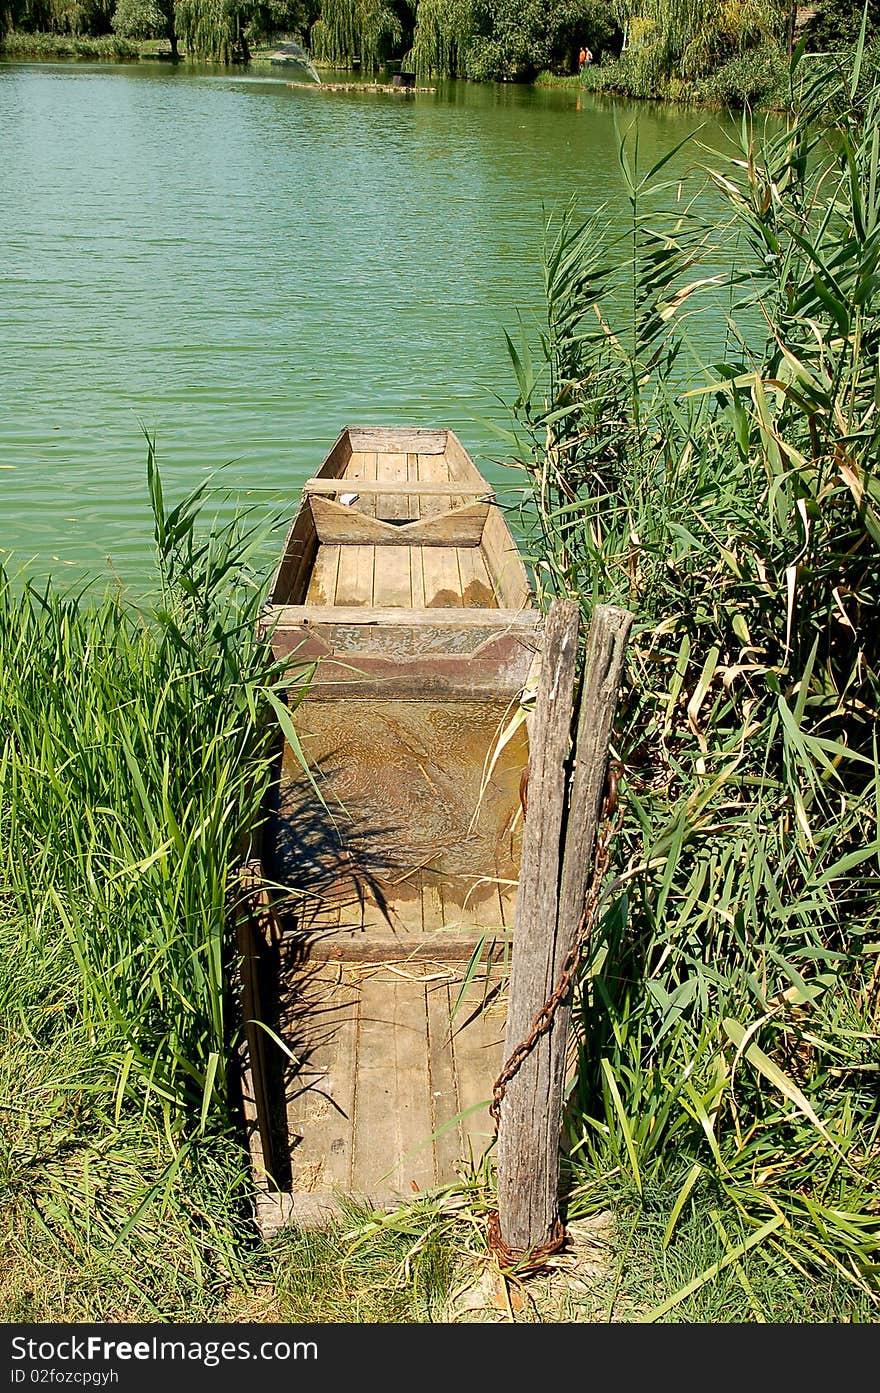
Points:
(17, 44)
(133, 753)
(757, 78)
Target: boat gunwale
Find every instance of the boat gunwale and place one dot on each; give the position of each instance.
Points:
(308, 616)
(299, 553)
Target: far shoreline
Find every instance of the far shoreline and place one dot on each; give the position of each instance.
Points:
(55, 48)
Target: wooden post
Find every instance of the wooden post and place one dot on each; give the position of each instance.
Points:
(555, 871)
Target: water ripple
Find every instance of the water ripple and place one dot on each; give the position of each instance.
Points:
(245, 268)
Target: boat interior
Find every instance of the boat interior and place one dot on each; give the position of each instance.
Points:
(441, 543)
(395, 823)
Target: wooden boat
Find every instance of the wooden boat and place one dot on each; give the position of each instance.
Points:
(400, 575)
(394, 828)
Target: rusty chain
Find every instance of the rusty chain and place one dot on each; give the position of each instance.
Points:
(609, 821)
(608, 825)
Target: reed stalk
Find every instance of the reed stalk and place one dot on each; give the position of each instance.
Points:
(728, 1035)
(135, 750)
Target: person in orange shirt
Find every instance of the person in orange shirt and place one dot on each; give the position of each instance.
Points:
(585, 56)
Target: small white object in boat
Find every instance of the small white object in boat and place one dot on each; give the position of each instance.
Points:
(349, 498)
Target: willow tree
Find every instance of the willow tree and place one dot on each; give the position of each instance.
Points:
(444, 36)
(56, 16)
(504, 39)
(370, 30)
(26, 15)
(688, 38)
(208, 29)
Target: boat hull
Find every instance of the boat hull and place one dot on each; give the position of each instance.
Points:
(392, 833)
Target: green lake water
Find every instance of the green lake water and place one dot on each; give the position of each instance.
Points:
(247, 267)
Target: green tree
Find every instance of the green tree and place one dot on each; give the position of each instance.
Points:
(222, 31)
(690, 38)
(524, 37)
(369, 30)
(138, 19)
(445, 32)
(265, 18)
(208, 29)
(506, 39)
(146, 19)
(601, 29)
(57, 16)
(837, 24)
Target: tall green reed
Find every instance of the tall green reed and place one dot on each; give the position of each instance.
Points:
(727, 1029)
(136, 746)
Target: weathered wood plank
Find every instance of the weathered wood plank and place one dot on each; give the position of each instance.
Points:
(500, 620)
(393, 580)
(417, 485)
(378, 918)
(603, 670)
(445, 1106)
(470, 902)
(375, 1080)
(447, 679)
(459, 910)
(417, 577)
(462, 527)
(461, 466)
(359, 478)
(488, 914)
(433, 917)
(322, 586)
(556, 870)
(393, 1118)
(337, 457)
(405, 438)
(412, 475)
(291, 578)
(322, 1102)
(257, 1103)
(394, 505)
(417, 1169)
(523, 1110)
(404, 660)
(354, 578)
(506, 569)
(442, 579)
(434, 469)
(339, 524)
(477, 1034)
(476, 587)
(380, 945)
(361, 467)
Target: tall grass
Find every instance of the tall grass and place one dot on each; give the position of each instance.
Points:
(135, 750)
(728, 1035)
(16, 43)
